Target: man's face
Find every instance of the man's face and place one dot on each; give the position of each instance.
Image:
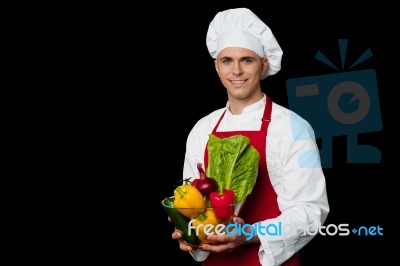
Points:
(240, 70)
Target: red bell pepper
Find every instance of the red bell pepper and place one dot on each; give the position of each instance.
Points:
(223, 204)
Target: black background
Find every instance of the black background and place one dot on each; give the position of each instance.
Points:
(165, 81)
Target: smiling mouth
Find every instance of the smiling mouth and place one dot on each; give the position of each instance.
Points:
(237, 81)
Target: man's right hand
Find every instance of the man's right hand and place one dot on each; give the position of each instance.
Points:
(177, 234)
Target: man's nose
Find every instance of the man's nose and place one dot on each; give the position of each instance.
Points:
(237, 70)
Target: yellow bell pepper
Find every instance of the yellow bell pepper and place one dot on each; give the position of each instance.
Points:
(189, 201)
(201, 225)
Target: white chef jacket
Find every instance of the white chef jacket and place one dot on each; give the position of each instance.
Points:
(294, 169)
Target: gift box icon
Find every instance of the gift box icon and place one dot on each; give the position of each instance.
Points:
(344, 103)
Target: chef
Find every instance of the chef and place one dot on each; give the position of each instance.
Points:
(290, 188)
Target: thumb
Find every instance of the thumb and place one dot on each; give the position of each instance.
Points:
(238, 220)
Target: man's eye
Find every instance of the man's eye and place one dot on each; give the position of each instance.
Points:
(226, 61)
(247, 60)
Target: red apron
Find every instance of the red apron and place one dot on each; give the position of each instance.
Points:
(260, 205)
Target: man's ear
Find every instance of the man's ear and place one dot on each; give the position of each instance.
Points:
(216, 67)
(264, 65)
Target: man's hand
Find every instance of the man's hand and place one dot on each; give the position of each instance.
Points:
(226, 243)
(177, 234)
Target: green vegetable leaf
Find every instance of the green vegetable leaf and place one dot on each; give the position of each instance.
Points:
(233, 163)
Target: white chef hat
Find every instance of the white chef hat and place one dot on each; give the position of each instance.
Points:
(240, 27)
